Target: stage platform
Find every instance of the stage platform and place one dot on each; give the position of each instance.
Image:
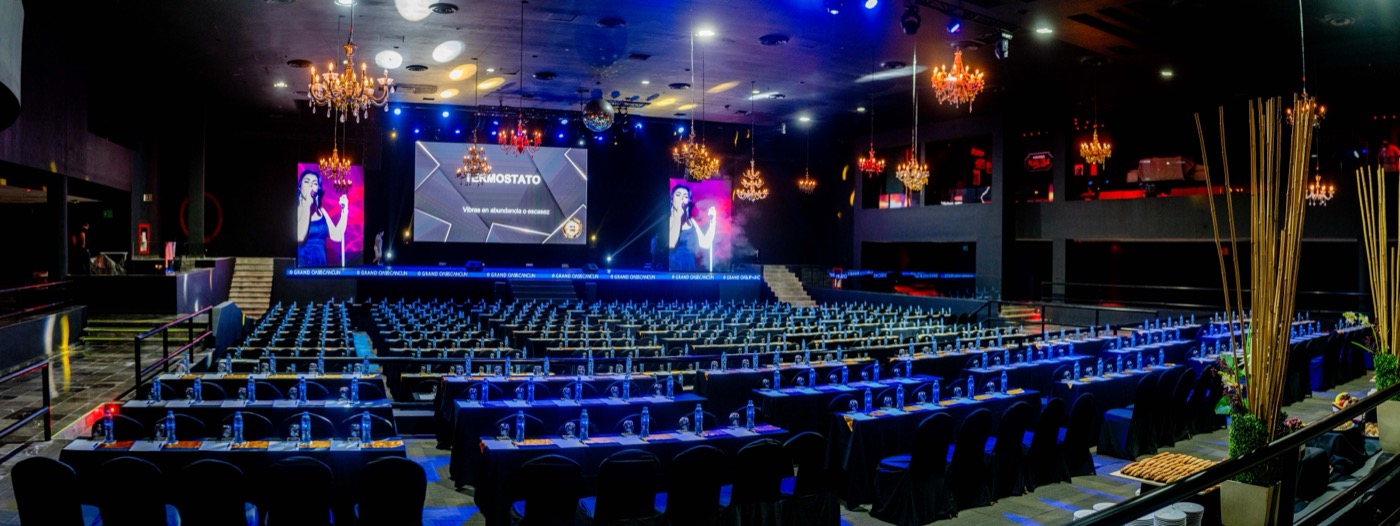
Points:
(558, 274)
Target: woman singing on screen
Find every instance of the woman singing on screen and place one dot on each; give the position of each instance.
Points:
(686, 234)
(314, 224)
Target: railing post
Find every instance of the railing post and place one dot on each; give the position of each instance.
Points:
(137, 360)
(165, 349)
(1288, 487)
(48, 404)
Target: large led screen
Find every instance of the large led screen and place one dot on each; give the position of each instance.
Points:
(698, 230)
(530, 199)
(330, 221)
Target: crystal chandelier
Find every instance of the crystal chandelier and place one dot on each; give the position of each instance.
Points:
(694, 158)
(474, 163)
(1318, 111)
(1318, 193)
(336, 168)
(348, 91)
(911, 172)
(1095, 152)
(870, 164)
(750, 182)
(958, 85)
(806, 183)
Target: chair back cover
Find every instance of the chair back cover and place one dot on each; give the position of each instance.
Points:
(627, 486)
(133, 492)
(759, 470)
(296, 490)
(44, 492)
(550, 486)
(807, 451)
(391, 493)
(695, 479)
(211, 492)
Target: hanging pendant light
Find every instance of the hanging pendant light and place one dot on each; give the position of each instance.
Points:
(474, 163)
(751, 182)
(336, 168)
(695, 160)
(871, 165)
(348, 92)
(912, 172)
(520, 140)
(806, 183)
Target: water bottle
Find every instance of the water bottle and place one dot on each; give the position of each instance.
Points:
(971, 387)
(1138, 360)
(169, 427)
(530, 390)
(646, 424)
(364, 365)
(1003, 380)
(228, 365)
(777, 377)
(238, 427)
(1161, 357)
(320, 364)
(627, 386)
(748, 416)
(485, 389)
(812, 377)
(875, 372)
(1118, 363)
(1098, 366)
(272, 363)
(699, 420)
(305, 426)
(845, 375)
(583, 425)
(107, 426)
(365, 422)
(301, 389)
(755, 361)
(590, 363)
(545, 368)
(670, 386)
(806, 355)
(507, 370)
(519, 426)
(627, 363)
(937, 391)
(155, 389)
(252, 390)
(899, 398)
(869, 401)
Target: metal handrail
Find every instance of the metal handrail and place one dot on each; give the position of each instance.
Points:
(1349, 495)
(1043, 284)
(1286, 447)
(46, 411)
(164, 362)
(174, 322)
(36, 286)
(164, 332)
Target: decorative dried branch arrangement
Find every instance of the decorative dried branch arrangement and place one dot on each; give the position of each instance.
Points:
(1384, 270)
(1277, 188)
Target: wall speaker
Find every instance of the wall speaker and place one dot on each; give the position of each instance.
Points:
(475, 266)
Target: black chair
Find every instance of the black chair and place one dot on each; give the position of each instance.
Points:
(912, 490)
(211, 492)
(495, 392)
(166, 393)
(295, 490)
(212, 391)
(266, 391)
(317, 391)
(380, 428)
(1180, 406)
(255, 426)
(186, 427)
(755, 497)
(813, 495)
(123, 427)
(44, 492)
(132, 493)
(1204, 396)
(966, 464)
(1127, 433)
(391, 493)
(840, 404)
(1044, 463)
(1080, 435)
(321, 427)
(693, 493)
(1004, 454)
(626, 490)
(550, 485)
(1163, 426)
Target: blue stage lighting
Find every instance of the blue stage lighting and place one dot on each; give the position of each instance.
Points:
(564, 120)
(458, 132)
(954, 26)
(561, 136)
(397, 111)
(870, 4)
(444, 115)
(637, 126)
(495, 123)
(609, 259)
(680, 130)
(415, 131)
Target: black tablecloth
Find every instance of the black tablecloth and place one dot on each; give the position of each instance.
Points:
(858, 441)
(1113, 392)
(732, 387)
(1174, 352)
(346, 463)
(232, 382)
(501, 460)
(1036, 375)
(472, 421)
(805, 409)
(213, 413)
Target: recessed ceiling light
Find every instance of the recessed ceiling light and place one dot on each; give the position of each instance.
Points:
(1044, 30)
(804, 118)
(299, 63)
(416, 67)
(344, 2)
(1167, 73)
(414, 10)
(448, 51)
(490, 70)
(279, 84)
(764, 95)
(388, 59)
(707, 32)
(679, 85)
(860, 109)
(443, 8)
(448, 93)
(463, 71)
(645, 82)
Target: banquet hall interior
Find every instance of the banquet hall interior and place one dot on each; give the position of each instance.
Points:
(704, 262)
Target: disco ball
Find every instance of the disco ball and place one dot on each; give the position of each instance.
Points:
(598, 115)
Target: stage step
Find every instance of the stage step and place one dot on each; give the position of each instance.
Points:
(786, 286)
(252, 285)
(543, 289)
(99, 332)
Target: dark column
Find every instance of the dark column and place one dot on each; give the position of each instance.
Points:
(994, 237)
(194, 212)
(1057, 267)
(58, 210)
(1057, 170)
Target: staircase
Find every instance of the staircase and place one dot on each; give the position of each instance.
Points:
(252, 285)
(1017, 315)
(786, 286)
(543, 289)
(121, 330)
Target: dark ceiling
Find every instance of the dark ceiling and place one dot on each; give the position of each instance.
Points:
(1110, 50)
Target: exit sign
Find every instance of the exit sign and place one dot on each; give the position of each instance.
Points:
(106, 214)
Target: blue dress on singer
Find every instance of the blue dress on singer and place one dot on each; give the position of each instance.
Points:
(312, 252)
(683, 256)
